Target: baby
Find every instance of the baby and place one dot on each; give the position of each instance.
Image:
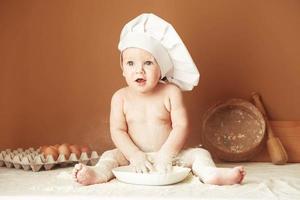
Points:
(148, 120)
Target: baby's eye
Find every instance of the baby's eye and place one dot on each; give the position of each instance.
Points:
(148, 62)
(130, 63)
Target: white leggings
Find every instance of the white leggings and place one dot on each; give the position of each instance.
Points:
(194, 158)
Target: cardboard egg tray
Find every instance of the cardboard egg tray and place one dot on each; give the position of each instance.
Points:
(31, 159)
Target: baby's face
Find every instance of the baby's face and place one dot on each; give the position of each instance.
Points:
(140, 69)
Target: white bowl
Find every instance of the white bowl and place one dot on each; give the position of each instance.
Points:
(127, 175)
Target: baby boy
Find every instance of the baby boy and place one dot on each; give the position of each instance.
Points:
(148, 120)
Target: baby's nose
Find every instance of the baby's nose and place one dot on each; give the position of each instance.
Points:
(139, 68)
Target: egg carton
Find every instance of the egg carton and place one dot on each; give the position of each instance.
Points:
(31, 159)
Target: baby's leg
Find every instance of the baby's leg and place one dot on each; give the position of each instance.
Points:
(102, 171)
(203, 166)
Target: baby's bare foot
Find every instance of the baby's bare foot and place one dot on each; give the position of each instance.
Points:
(87, 175)
(224, 176)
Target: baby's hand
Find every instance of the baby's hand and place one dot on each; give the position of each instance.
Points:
(163, 163)
(140, 162)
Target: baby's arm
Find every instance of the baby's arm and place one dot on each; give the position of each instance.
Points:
(120, 137)
(179, 133)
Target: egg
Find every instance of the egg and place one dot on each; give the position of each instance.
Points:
(85, 148)
(42, 148)
(74, 148)
(51, 151)
(55, 146)
(64, 149)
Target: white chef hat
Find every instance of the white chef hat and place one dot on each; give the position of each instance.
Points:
(155, 35)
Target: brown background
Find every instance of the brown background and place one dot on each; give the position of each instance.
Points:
(59, 63)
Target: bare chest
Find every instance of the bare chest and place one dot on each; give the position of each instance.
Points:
(144, 112)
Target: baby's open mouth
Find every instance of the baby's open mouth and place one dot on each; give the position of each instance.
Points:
(140, 80)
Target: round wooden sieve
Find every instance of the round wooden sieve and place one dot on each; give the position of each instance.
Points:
(233, 130)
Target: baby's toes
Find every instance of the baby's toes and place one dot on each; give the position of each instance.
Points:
(240, 169)
(75, 171)
(242, 173)
(78, 166)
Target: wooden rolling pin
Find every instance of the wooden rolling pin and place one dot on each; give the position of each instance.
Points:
(275, 148)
